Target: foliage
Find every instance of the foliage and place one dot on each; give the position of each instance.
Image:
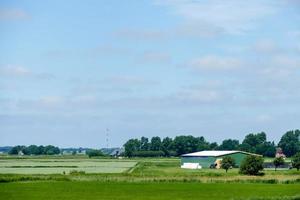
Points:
(296, 161)
(290, 143)
(35, 150)
(148, 154)
(251, 165)
(144, 144)
(94, 153)
(155, 144)
(16, 150)
(257, 143)
(187, 144)
(166, 146)
(131, 146)
(278, 161)
(229, 144)
(227, 163)
(75, 172)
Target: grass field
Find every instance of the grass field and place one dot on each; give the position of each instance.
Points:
(41, 178)
(58, 166)
(108, 191)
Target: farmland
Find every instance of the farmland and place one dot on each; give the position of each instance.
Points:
(38, 178)
(59, 166)
(107, 191)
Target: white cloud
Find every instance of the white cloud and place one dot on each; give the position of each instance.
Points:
(197, 29)
(212, 62)
(263, 118)
(13, 14)
(266, 46)
(13, 70)
(17, 71)
(199, 96)
(232, 16)
(141, 34)
(52, 101)
(126, 80)
(155, 58)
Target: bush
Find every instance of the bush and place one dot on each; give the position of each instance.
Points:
(296, 161)
(75, 172)
(94, 153)
(278, 161)
(148, 153)
(252, 165)
(227, 163)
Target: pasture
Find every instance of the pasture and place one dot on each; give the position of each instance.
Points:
(148, 191)
(41, 178)
(59, 166)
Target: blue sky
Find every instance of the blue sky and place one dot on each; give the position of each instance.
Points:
(219, 69)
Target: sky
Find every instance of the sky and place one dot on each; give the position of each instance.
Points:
(72, 72)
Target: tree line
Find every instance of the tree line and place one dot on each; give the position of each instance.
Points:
(253, 143)
(34, 150)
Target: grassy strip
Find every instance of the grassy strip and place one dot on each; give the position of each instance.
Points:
(297, 197)
(145, 191)
(127, 178)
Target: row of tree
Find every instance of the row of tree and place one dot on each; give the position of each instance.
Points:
(252, 165)
(34, 150)
(254, 143)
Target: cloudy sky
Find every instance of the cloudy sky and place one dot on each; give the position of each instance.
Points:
(69, 70)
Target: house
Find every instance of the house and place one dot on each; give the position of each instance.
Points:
(211, 159)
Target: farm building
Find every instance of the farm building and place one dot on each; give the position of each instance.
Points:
(207, 159)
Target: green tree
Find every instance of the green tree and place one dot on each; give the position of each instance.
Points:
(290, 143)
(267, 149)
(277, 162)
(144, 144)
(213, 146)
(184, 144)
(166, 146)
(131, 146)
(155, 144)
(252, 140)
(32, 150)
(257, 143)
(251, 165)
(51, 150)
(16, 150)
(296, 161)
(94, 153)
(227, 163)
(229, 144)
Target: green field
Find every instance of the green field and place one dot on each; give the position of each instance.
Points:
(100, 190)
(58, 166)
(41, 178)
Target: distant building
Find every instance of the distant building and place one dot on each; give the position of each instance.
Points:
(279, 153)
(117, 152)
(211, 159)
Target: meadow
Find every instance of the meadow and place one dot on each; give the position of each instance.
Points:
(59, 166)
(174, 191)
(151, 178)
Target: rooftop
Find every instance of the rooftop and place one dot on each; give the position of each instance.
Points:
(213, 153)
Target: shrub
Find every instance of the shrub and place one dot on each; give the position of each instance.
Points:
(75, 172)
(296, 161)
(278, 161)
(94, 153)
(252, 165)
(227, 163)
(148, 153)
